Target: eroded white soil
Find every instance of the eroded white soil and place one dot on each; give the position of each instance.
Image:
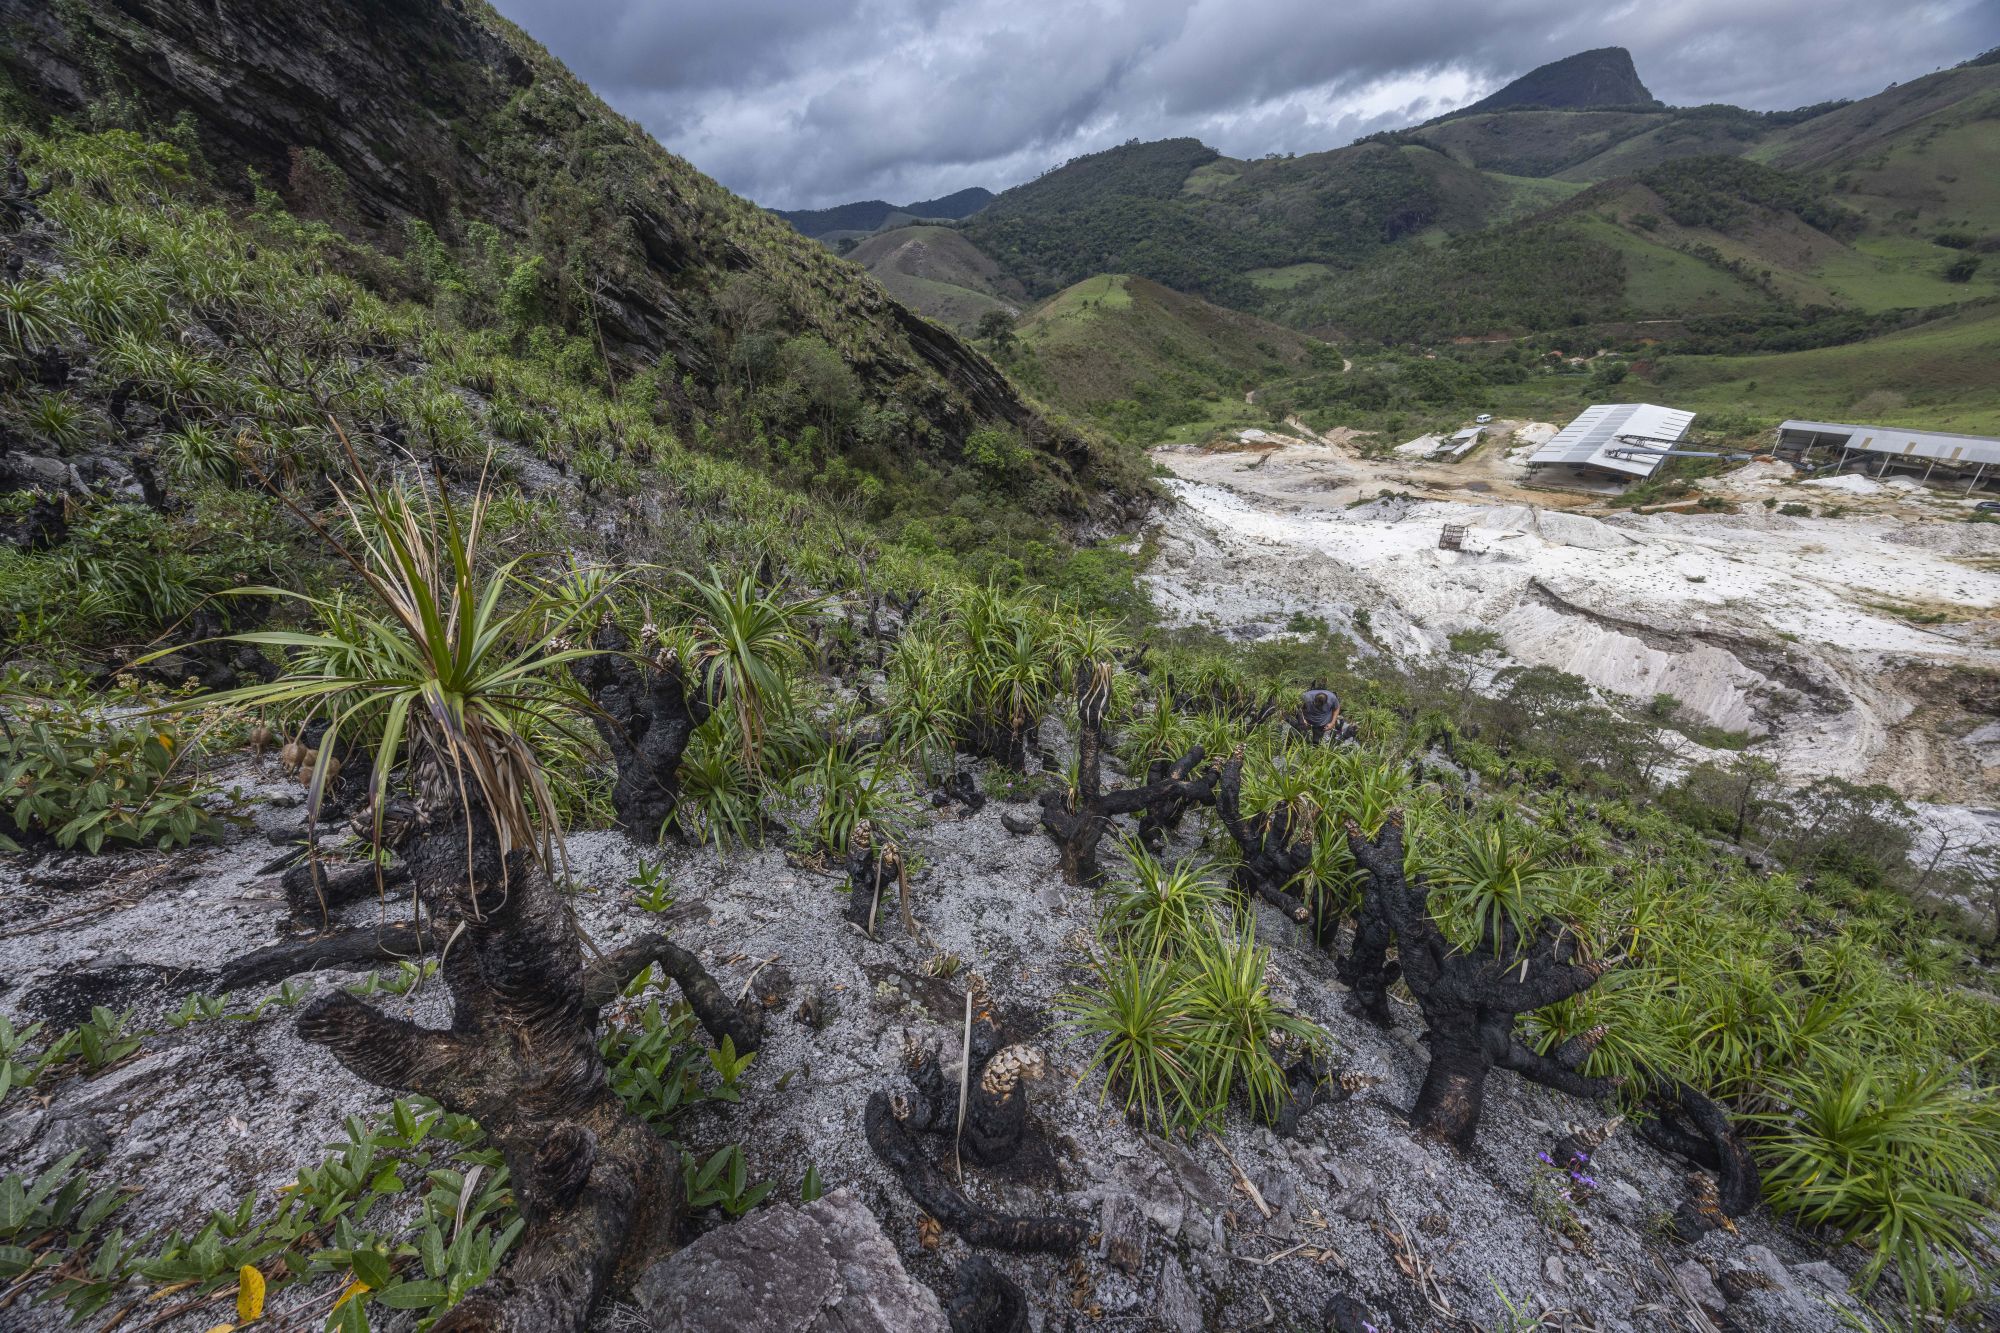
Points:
(1826, 637)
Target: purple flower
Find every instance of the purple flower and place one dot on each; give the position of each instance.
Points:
(1544, 1157)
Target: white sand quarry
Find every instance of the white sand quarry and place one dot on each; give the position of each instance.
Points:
(1818, 634)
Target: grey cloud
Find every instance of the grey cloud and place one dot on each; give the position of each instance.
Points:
(801, 103)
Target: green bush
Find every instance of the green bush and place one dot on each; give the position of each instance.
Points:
(1893, 1159)
(73, 774)
(1181, 1011)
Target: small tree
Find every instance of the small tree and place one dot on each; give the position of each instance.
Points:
(1470, 998)
(996, 330)
(1472, 647)
(1962, 268)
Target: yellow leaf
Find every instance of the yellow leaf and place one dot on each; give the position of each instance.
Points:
(223, 1328)
(249, 1294)
(354, 1289)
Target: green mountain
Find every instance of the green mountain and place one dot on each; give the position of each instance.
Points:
(447, 129)
(1142, 359)
(1604, 77)
(1181, 214)
(1571, 198)
(871, 214)
(937, 272)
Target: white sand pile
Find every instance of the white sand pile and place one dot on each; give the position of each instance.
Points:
(1978, 540)
(1852, 483)
(1421, 447)
(1758, 477)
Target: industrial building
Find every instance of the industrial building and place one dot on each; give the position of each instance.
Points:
(1464, 442)
(1834, 446)
(1626, 441)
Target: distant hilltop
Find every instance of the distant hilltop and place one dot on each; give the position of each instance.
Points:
(870, 214)
(1604, 77)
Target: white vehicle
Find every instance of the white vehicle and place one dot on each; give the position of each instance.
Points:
(1482, 418)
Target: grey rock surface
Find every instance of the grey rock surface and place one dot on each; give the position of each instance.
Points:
(203, 1116)
(825, 1267)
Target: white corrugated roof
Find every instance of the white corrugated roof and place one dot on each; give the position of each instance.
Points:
(1941, 445)
(1585, 441)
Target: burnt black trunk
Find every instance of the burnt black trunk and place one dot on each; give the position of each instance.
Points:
(1470, 998)
(601, 1191)
(646, 714)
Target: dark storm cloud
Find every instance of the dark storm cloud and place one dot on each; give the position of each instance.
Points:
(799, 103)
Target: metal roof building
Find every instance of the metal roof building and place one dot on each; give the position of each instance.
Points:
(1620, 438)
(1892, 446)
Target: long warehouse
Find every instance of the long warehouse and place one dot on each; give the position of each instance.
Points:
(1881, 448)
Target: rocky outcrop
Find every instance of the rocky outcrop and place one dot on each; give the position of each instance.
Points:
(369, 113)
(824, 1268)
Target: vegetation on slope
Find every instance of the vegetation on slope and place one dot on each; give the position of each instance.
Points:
(1141, 359)
(937, 272)
(1175, 213)
(616, 245)
(1935, 374)
(1531, 276)
(1851, 1034)
(1719, 226)
(1711, 243)
(188, 359)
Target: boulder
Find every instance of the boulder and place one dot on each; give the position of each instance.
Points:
(826, 1267)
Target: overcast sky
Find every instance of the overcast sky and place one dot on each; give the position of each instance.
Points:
(805, 103)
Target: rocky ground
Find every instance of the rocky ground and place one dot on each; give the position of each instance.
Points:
(1243, 1231)
(1850, 644)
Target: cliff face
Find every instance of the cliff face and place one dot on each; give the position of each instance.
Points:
(440, 110)
(1604, 77)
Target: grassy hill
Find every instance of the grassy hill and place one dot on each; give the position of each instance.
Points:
(1570, 198)
(937, 272)
(1143, 359)
(1430, 232)
(1686, 241)
(1530, 142)
(1938, 374)
(1917, 160)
